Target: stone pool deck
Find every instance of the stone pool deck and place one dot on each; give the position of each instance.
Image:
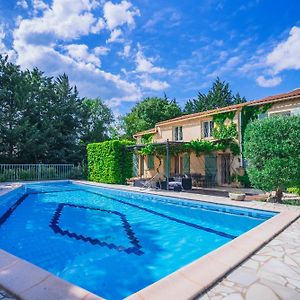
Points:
(272, 272)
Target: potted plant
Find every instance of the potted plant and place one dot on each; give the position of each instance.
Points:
(237, 196)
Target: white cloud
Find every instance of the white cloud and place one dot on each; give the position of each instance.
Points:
(39, 5)
(155, 85)
(286, 55)
(126, 51)
(115, 36)
(166, 18)
(3, 49)
(98, 26)
(23, 4)
(66, 19)
(229, 65)
(2, 37)
(80, 53)
(120, 14)
(101, 50)
(265, 82)
(145, 65)
(40, 42)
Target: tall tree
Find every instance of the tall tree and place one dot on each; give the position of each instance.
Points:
(11, 101)
(145, 114)
(96, 118)
(219, 95)
(43, 120)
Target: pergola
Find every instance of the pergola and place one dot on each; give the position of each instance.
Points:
(168, 146)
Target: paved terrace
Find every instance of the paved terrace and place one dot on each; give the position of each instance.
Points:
(273, 272)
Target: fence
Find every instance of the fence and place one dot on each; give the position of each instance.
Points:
(17, 172)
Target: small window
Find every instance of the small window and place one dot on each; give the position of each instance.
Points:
(150, 162)
(208, 128)
(296, 111)
(178, 136)
(286, 113)
(262, 116)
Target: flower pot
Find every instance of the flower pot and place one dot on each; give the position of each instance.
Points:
(237, 196)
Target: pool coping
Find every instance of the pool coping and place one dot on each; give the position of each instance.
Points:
(187, 282)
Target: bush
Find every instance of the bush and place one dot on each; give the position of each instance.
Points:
(272, 149)
(109, 162)
(294, 190)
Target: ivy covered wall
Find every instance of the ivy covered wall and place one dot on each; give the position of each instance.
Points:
(109, 162)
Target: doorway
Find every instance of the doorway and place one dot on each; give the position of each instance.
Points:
(225, 169)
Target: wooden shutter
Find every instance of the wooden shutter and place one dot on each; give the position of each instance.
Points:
(186, 163)
(150, 162)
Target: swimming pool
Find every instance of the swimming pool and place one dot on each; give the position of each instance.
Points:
(112, 242)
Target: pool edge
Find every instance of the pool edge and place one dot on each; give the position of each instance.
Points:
(185, 283)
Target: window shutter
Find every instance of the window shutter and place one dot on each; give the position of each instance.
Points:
(211, 128)
(205, 129)
(150, 162)
(180, 133)
(176, 134)
(186, 163)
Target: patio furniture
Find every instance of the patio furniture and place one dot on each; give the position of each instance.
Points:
(177, 183)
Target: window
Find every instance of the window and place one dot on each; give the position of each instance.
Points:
(150, 162)
(208, 127)
(178, 136)
(286, 113)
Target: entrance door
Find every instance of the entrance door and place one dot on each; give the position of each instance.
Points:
(225, 169)
(211, 168)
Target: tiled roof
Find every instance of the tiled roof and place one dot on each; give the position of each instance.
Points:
(152, 130)
(274, 98)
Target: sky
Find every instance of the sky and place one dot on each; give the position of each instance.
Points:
(124, 51)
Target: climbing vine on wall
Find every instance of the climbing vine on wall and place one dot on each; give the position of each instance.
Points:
(147, 138)
(251, 113)
(223, 130)
(197, 146)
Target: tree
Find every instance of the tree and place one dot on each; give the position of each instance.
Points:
(96, 118)
(145, 114)
(42, 119)
(220, 95)
(272, 150)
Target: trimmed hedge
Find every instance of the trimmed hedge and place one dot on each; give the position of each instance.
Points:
(109, 162)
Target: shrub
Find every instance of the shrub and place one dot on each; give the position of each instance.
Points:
(109, 162)
(294, 190)
(272, 149)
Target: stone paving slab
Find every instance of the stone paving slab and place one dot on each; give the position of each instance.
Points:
(272, 273)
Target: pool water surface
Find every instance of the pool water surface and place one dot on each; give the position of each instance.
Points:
(112, 242)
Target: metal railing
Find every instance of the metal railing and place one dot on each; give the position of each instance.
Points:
(20, 172)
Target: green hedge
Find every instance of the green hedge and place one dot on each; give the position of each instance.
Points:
(272, 150)
(108, 162)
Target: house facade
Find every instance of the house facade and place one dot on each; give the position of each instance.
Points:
(221, 165)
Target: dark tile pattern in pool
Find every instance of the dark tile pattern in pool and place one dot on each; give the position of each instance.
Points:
(207, 229)
(136, 248)
(11, 209)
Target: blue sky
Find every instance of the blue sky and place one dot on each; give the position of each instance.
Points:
(123, 51)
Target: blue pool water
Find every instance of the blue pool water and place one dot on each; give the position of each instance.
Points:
(112, 242)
